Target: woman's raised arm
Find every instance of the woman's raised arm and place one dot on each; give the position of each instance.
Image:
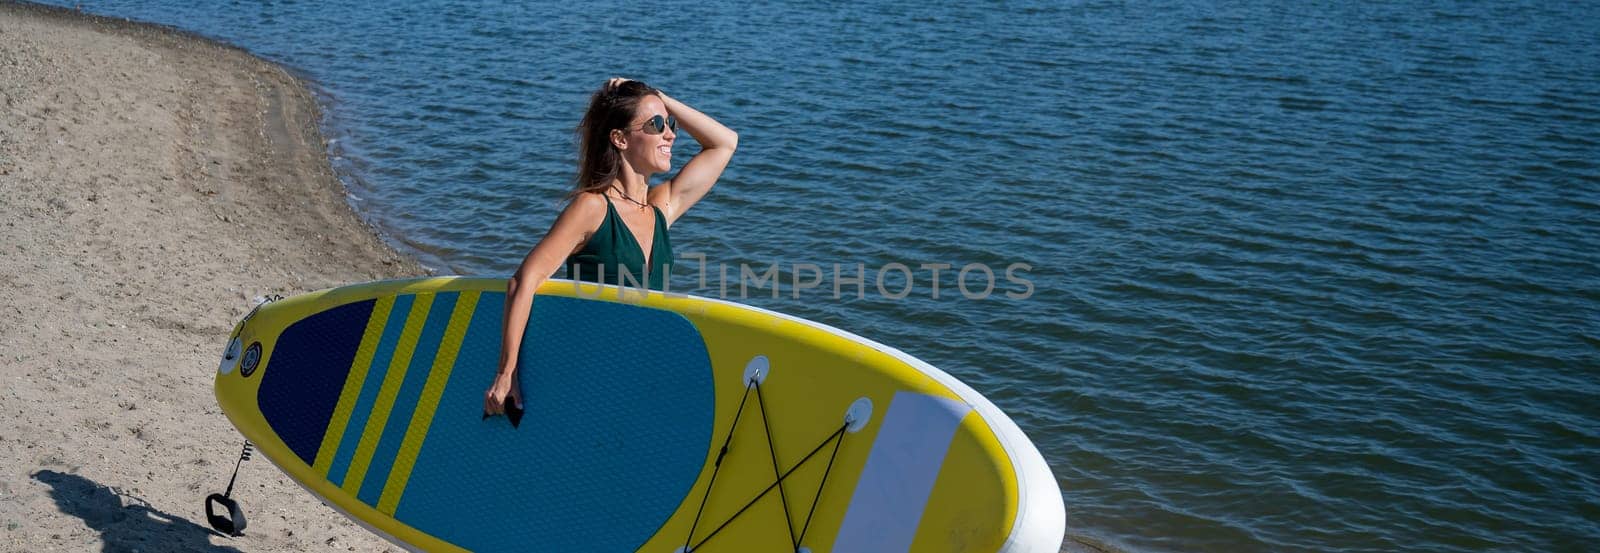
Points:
(702, 171)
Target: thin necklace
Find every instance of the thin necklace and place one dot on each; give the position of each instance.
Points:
(625, 196)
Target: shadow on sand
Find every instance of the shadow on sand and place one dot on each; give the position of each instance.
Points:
(126, 528)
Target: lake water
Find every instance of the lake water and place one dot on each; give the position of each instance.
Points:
(1298, 275)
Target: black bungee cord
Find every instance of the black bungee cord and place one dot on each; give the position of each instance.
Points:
(778, 483)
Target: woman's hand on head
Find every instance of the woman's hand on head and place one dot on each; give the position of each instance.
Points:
(618, 81)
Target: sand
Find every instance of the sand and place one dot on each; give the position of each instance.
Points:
(152, 184)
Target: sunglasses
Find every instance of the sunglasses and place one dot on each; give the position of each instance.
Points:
(658, 125)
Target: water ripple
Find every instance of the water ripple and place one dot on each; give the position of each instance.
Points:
(1306, 277)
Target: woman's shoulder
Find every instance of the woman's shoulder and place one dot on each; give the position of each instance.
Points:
(586, 209)
(660, 194)
(661, 197)
(587, 203)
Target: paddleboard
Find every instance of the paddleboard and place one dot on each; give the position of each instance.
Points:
(653, 423)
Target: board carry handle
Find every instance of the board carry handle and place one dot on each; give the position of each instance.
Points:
(513, 412)
(234, 522)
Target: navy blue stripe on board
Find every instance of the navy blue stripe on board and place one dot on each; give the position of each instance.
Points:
(301, 382)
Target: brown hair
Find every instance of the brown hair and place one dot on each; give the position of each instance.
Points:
(611, 107)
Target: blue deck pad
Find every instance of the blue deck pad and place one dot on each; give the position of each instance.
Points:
(619, 406)
(369, 389)
(394, 430)
(301, 382)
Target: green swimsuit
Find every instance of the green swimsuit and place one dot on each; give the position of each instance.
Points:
(613, 251)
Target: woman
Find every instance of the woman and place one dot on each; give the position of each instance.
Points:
(615, 222)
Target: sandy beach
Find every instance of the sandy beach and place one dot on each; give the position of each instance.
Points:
(152, 185)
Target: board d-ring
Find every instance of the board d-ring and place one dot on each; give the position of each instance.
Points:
(857, 416)
(756, 370)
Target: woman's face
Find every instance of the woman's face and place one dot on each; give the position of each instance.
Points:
(648, 153)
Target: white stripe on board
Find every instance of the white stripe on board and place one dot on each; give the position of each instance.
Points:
(900, 472)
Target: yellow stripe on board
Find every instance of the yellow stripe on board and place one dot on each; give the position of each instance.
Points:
(406, 459)
(352, 385)
(386, 394)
